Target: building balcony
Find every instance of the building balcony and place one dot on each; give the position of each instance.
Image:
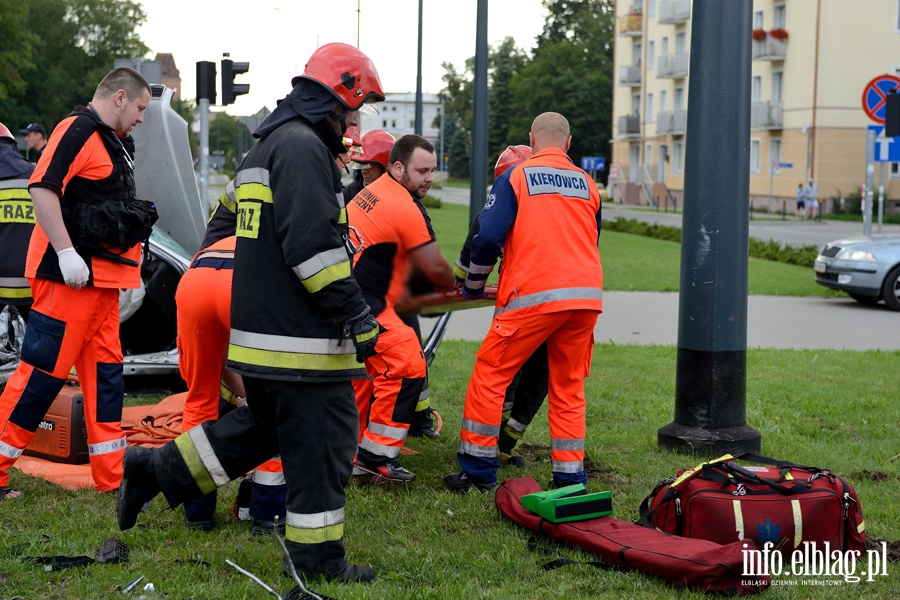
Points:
(674, 122)
(768, 49)
(631, 25)
(674, 12)
(630, 75)
(673, 66)
(765, 115)
(629, 126)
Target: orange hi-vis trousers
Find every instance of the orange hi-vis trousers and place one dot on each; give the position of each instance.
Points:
(66, 328)
(511, 340)
(203, 301)
(387, 403)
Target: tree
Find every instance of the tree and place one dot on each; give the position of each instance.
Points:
(226, 135)
(505, 61)
(77, 42)
(571, 73)
(15, 47)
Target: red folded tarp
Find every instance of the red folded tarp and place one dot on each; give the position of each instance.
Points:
(691, 563)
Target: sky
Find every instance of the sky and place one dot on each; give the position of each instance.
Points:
(277, 37)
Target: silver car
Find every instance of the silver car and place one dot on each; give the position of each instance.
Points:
(867, 268)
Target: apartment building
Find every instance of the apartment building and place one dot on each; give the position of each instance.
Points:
(811, 62)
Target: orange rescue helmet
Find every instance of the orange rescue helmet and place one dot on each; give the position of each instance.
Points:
(376, 147)
(510, 157)
(347, 72)
(5, 133)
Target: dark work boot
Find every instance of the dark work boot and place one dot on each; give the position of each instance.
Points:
(348, 574)
(138, 486)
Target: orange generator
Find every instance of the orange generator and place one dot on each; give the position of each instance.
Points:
(62, 436)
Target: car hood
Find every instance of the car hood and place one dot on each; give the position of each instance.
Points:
(872, 242)
(164, 171)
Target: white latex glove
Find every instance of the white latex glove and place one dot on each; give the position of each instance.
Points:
(74, 270)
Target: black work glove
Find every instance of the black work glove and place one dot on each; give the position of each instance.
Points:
(363, 330)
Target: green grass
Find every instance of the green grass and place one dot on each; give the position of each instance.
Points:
(638, 263)
(834, 409)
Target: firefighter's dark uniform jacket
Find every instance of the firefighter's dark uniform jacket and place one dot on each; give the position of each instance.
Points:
(294, 289)
(16, 223)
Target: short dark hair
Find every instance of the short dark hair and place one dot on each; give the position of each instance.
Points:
(123, 78)
(405, 146)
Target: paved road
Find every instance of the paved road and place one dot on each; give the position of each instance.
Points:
(762, 227)
(772, 321)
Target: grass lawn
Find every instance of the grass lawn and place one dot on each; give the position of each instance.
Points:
(637, 263)
(834, 409)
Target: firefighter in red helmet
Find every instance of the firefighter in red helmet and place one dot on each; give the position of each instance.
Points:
(300, 328)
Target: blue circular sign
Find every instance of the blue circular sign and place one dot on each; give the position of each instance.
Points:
(874, 98)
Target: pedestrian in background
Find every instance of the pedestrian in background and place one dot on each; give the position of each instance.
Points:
(35, 139)
(87, 176)
(545, 219)
(801, 195)
(812, 200)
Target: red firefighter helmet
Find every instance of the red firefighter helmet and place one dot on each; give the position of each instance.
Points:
(510, 157)
(376, 147)
(347, 72)
(5, 133)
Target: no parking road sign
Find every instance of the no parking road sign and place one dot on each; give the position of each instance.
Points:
(875, 94)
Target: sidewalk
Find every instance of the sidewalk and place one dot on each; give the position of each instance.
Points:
(772, 322)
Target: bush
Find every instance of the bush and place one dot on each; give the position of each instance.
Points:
(771, 250)
(430, 201)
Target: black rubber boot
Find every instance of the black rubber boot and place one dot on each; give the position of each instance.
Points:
(138, 486)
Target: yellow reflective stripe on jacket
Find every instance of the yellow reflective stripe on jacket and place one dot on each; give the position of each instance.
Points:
(342, 217)
(16, 210)
(14, 287)
(228, 198)
(283, 352)
(251, 192)
(323, 268)
(314, 528)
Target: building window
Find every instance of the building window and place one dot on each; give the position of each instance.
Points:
(412, 124)
(651, 48)
(393, 123)
(754, 156)
(777, 80)
(758, 19)
(774, 154)
(635, 105)
(649, 115)
(677, 156)
(778, 16)
(636, 51)
(384, 123)
(651, 8)
(678, 100)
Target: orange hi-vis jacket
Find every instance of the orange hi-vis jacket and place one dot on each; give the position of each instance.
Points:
(549, 198)
(388, 223)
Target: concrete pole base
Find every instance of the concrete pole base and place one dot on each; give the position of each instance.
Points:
(709, 442)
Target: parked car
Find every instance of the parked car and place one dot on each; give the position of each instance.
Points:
(867, 268)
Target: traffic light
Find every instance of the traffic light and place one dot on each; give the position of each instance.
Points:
(892, 114)
(230, 89)
(206, 81)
